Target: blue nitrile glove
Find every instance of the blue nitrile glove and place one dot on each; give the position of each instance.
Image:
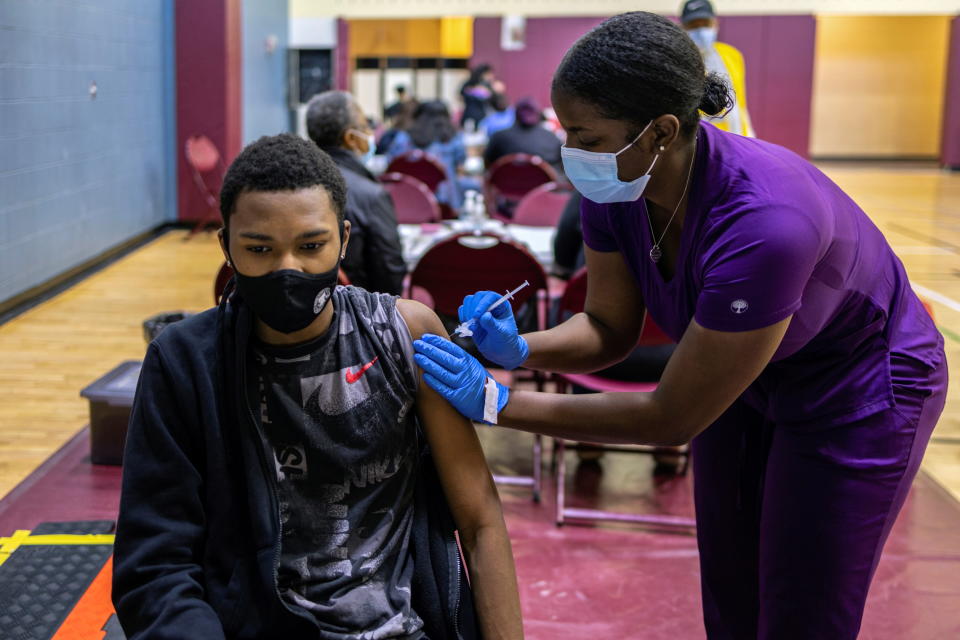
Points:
(457, 376)
(495, 332)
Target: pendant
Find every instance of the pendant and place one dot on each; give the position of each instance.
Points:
(656, 254)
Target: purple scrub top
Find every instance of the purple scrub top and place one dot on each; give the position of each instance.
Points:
(767, 236)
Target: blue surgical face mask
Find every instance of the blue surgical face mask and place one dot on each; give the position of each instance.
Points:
(595, 175)
(367, 156)
(703, 37)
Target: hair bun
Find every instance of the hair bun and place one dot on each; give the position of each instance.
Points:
(717, 97)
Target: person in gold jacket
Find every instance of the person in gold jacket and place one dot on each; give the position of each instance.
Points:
(700, 22)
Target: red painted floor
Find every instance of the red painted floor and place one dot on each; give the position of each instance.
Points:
(607, 582)
(64, 488)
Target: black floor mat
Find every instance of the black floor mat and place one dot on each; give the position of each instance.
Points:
(40, 584)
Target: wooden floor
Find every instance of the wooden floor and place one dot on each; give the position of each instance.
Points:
(919, 212)
(50, 353)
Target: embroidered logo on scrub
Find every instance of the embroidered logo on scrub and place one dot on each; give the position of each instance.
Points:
(739, 306)
(353, 377)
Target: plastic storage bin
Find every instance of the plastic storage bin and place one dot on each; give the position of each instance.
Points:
(153, 325)
(110, 400)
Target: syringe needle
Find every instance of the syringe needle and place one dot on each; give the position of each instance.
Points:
(465, 330)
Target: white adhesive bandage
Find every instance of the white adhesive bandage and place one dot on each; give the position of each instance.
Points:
(491, 396)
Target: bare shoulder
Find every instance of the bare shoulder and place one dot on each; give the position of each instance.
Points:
(420, 318)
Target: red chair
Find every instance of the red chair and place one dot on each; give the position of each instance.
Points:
(543, 206)
(420, 165)
(220, 283)
(226, 272)
(512, 177)
(208, 170)
(447, 212)
(412, 200)
(466, 263)
(572, 302)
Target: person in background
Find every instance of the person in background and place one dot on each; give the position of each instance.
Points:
(478, 95)
(700, 22)
(337, 125)
(401, 121)
(525, 136)
(394, 109)
(501, 117)
(433, 131)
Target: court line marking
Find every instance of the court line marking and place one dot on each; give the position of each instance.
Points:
(936, 296)
(950, 334)
(922, 250)
(916, 235)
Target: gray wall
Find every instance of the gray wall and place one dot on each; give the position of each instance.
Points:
(81, 175)
(264, 74)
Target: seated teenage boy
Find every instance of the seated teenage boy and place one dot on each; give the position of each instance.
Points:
(272, 457)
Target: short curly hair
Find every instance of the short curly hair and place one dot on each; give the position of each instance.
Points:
(284, 162)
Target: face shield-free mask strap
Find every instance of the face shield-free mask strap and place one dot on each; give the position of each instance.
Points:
(655, 157)
(635, 139)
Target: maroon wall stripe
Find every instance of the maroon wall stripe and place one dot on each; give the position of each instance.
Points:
(778, 51)
(341, 65)
(950, 148)
(208, 61)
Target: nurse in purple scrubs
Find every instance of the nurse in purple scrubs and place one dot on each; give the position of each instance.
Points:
(808, 376)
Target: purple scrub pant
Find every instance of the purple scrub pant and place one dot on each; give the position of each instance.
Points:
(791, 520)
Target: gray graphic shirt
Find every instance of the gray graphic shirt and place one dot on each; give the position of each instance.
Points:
(337, 414)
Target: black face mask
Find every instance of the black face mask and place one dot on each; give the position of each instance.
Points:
(288, 300)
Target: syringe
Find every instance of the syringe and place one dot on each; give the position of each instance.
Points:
(465, 329)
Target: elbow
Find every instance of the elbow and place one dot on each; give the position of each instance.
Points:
(682, 433)
(473, 534)
(674, 439)
(675, 431)
(617, 342)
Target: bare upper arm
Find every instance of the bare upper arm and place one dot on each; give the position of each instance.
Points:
(613, 297)
(453, 440)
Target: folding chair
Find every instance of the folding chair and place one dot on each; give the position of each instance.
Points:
(412, 200)
(204, 159)
(224, 273)
(571, 302)
(466, 263)
(420, 165)
(512, 177)
(543, 206)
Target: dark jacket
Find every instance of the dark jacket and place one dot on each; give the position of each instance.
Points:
(374, 259)
(474, 108)
(198, 535)
(535, 140)
(568, 255)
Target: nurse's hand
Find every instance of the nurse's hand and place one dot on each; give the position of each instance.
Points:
(459, 378)
(496, 332)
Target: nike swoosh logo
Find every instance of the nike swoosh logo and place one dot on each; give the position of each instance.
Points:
(353, 377)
